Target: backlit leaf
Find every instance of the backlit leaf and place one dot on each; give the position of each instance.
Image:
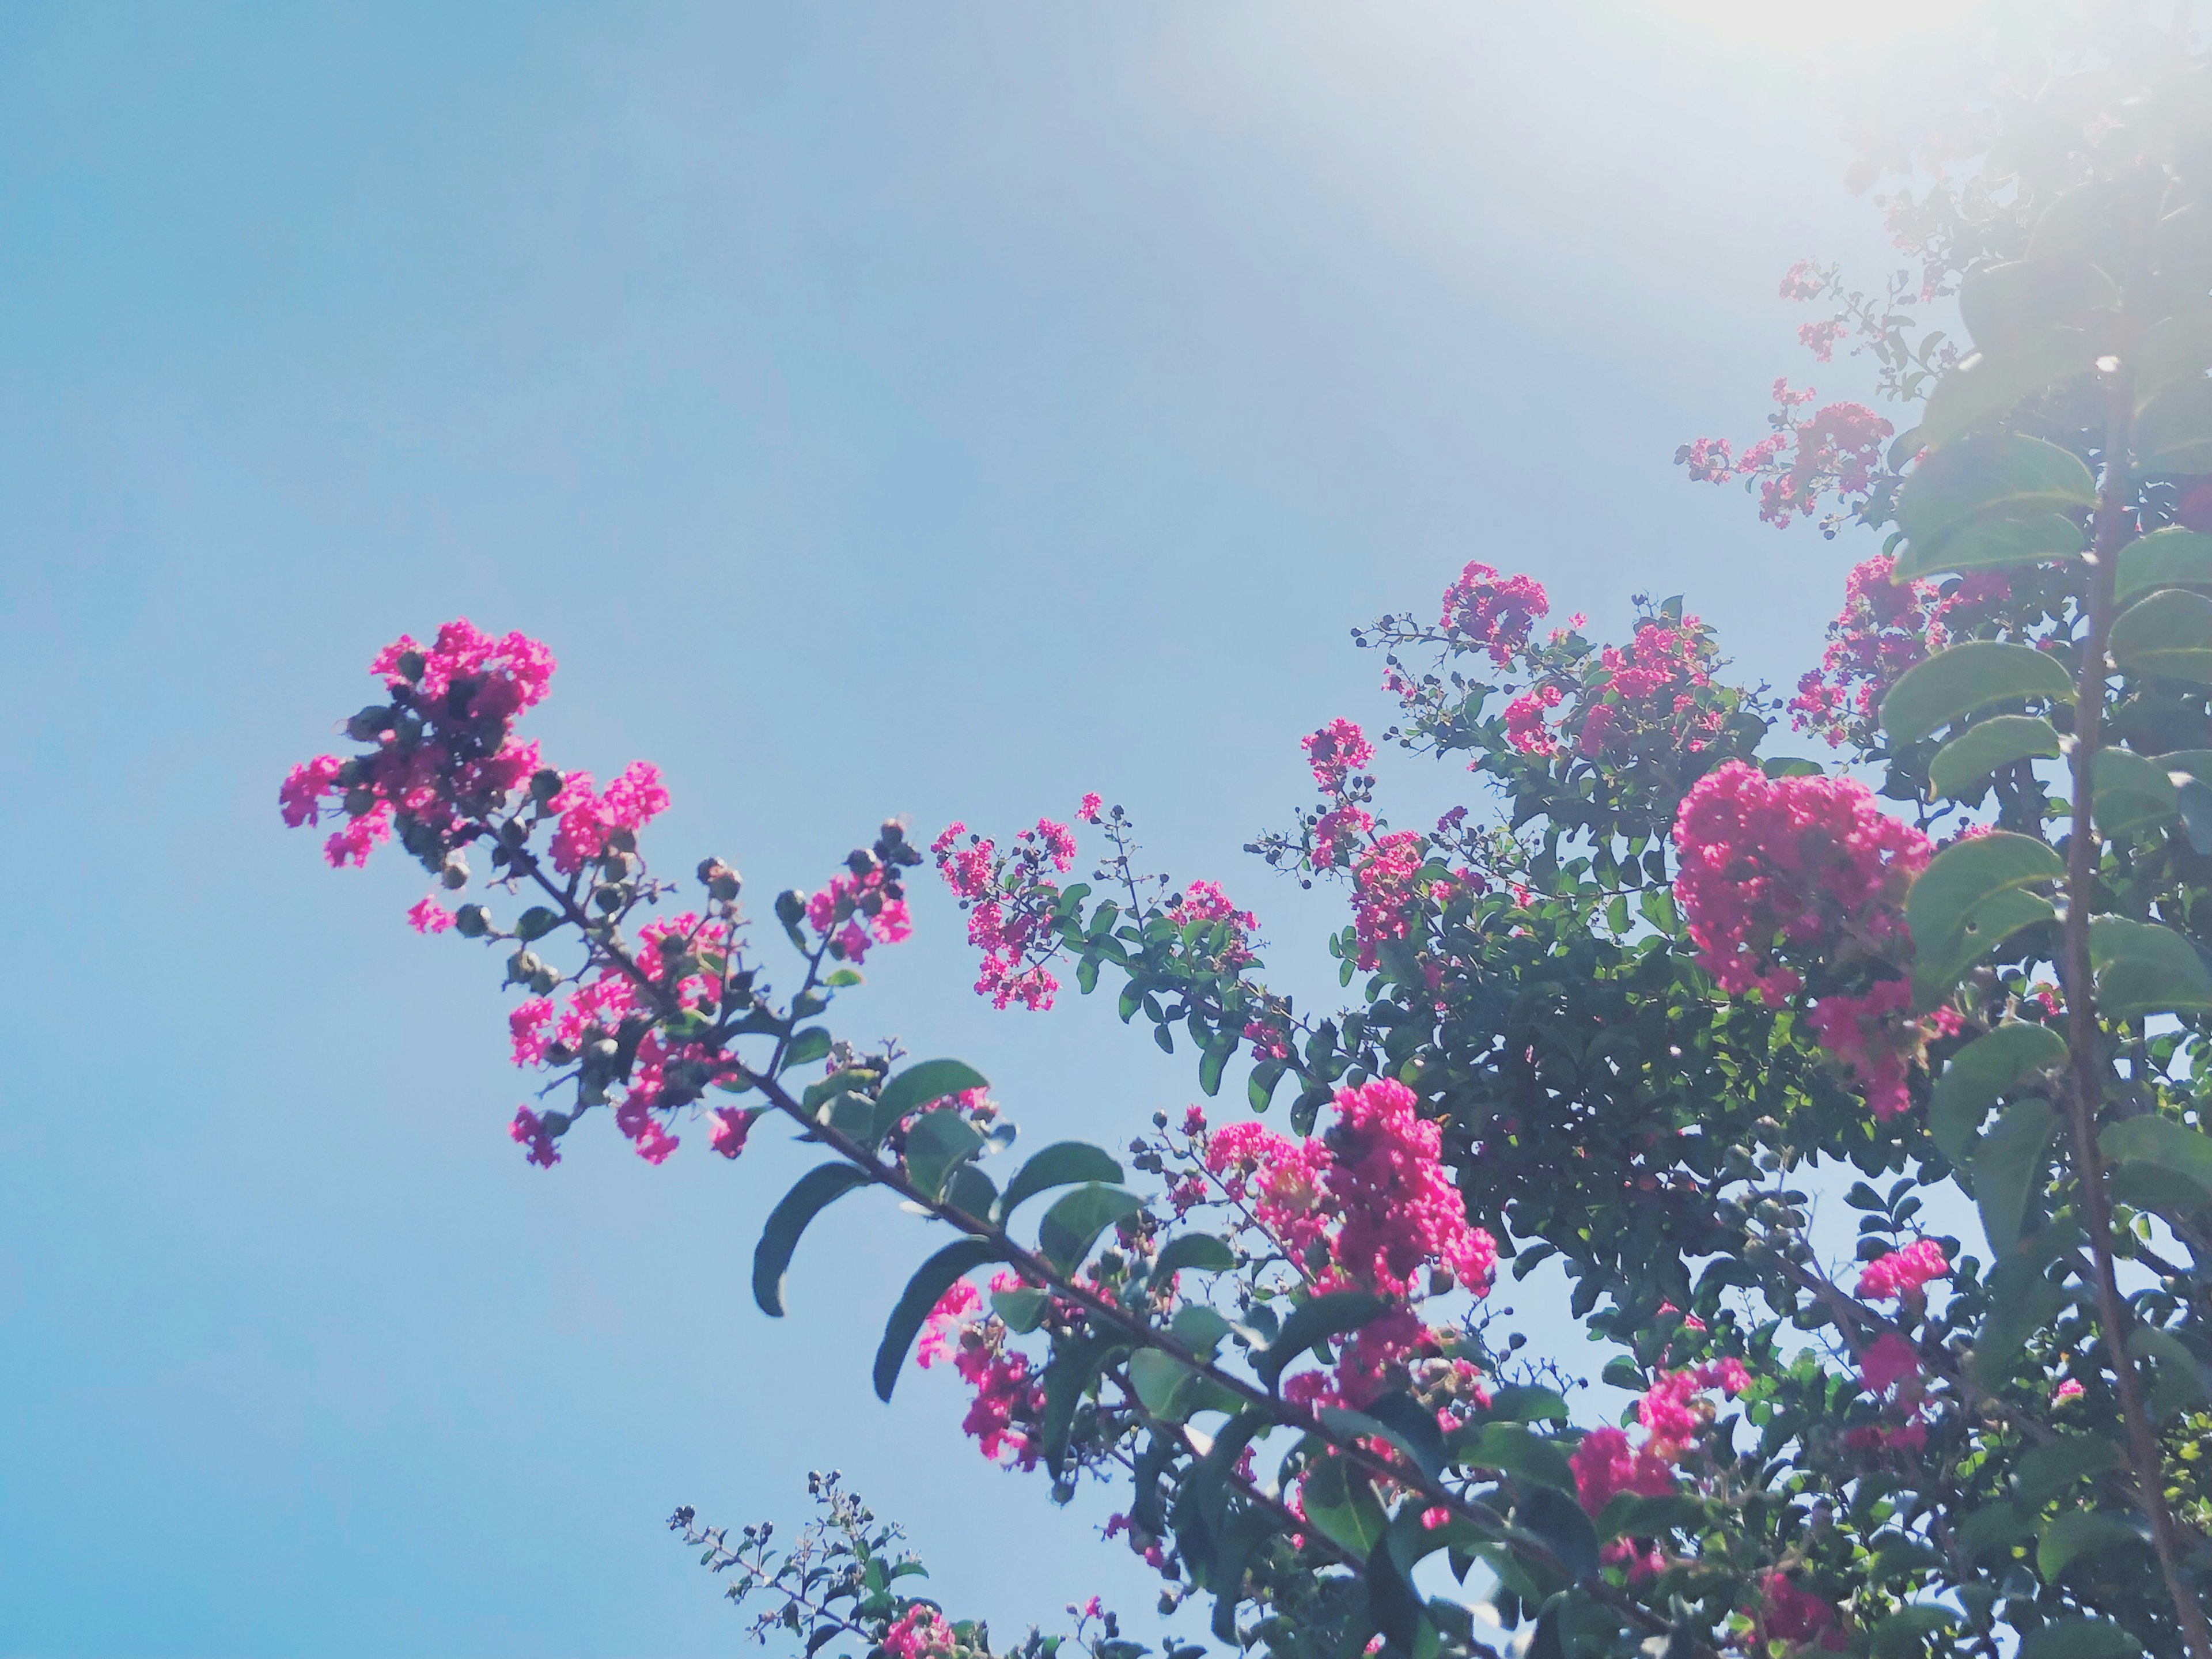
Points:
(2169, 633)
(813, 1191)
(1963, 765)
(1973, 674)
(923, 1292)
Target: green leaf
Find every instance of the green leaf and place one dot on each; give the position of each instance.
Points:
(2000, 474)
(2193, 796)
(2022, 1301)
(2185, 1151)
(806, 1047)
(2173, 430)
(1260, 1089)
(2048, 1470)
(1314, 1322)
(2144, 969)
(2169, 634)
(2076, 1638)
(1993, 1526)
(1980, 1074)
(1191, 1252)
(813, 1191)
(2181, 1384)
(1063, 1163)
(1993, 543)
(1075, 1367)
(1555, 1519)
(1632, 1515)
(1963, 765)
(1073, 1225)
(1970, 675)
(1199, 1328)
(918, 1085)
(2173, 557)
(1965, 902)
(1210, 1064)
(1986, 383)
(1905, 1632)
(1392, 1602)
(1156, 1377)
(2078, 1533)
(536, 922)
(937, 1144)
(2007, 1166)
(1023, 1307)
(1340, 1501)
(1510, 1447)
(1526, 1402)
(2130, 791)
(922, 1293)
(1424, 1450)
(972, 1193)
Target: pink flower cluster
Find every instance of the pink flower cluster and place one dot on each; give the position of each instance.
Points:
(1336, 752)
(1884, 628)
(589, 820)
(1605, 1466)
(1371, 1198)
(1901, 1274)
(1654, 681)
(1385, 896)
(1009, 903)
(1876, 1036)
(1796, 863)
(663, 1075)
(1837, 450)
(1204, 901)
(1525, 719)
(441, 752)
(1496, 612)
(1888, 1362)
(1007, 1391)
(856, 911)
(920, 1633)
(1787, 1613)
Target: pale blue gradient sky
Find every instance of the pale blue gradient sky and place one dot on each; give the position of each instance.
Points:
(878, 409)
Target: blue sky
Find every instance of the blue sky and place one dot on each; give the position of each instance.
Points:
(878, 409)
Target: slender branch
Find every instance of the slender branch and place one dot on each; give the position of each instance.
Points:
(2085, 1100)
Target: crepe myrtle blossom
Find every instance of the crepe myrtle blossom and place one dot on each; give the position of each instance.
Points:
(1493, 612)
(1902, 1275)
(1777, 866)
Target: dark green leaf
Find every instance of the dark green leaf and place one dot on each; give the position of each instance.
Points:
(1396, 1605)
(1312, 1323)
(1557, 1521)
(1199, 1328)
(929, 1284)
(1023, 1307)
(972, 1193)
(1210, 1064)
(1340, 1501)
(1348, 1425)
(938, 1142)
(1510, 1447)
(1905, 1632)
(2182, 1385)
(919, 1085)
(1063, 1163)
(2046, 1471)
(1073, 1225)
(1632, 1515)
(2166, 558)
(536, 922)
(1980, 1074)
(1963, 765)
(2007, 1166)
(2193, 797)
(1260, 1089)
(1999, 475)
(1156, 1377)
(2130, 791)
(1076, 1365)
(1523, 1403)
(1973, 674)
(2185, 1151)
(1191, 1252)
(2078, 1532)
(2022, 1301)
(2169, 634)
(806, 1048)
(2144, 969)
(2076, 1637)
(814, 1190)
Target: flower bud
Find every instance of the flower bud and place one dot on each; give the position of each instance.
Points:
(364, 726)
(544, 980)
(455, 875)
(520, 966)
(472, 921)
(544, 784)
(411, 664)
(791, 907)
(559, 1054)
(359, 800)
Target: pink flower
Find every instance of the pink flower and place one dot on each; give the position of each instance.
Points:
(654, 1143)
(732, 1124)
(301, 797)
(1605, 1465)
(1494, 611)
(1902, 1273)
(2067, 1392)
(1888, 1360)
(529, 1130)
(1768, 863)
(1088, 811)
(359, 837)
(1524, 720)
(1787, 1613)
(427, 915)
(1336, 752)
(1057, 843)
(525, 1028)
